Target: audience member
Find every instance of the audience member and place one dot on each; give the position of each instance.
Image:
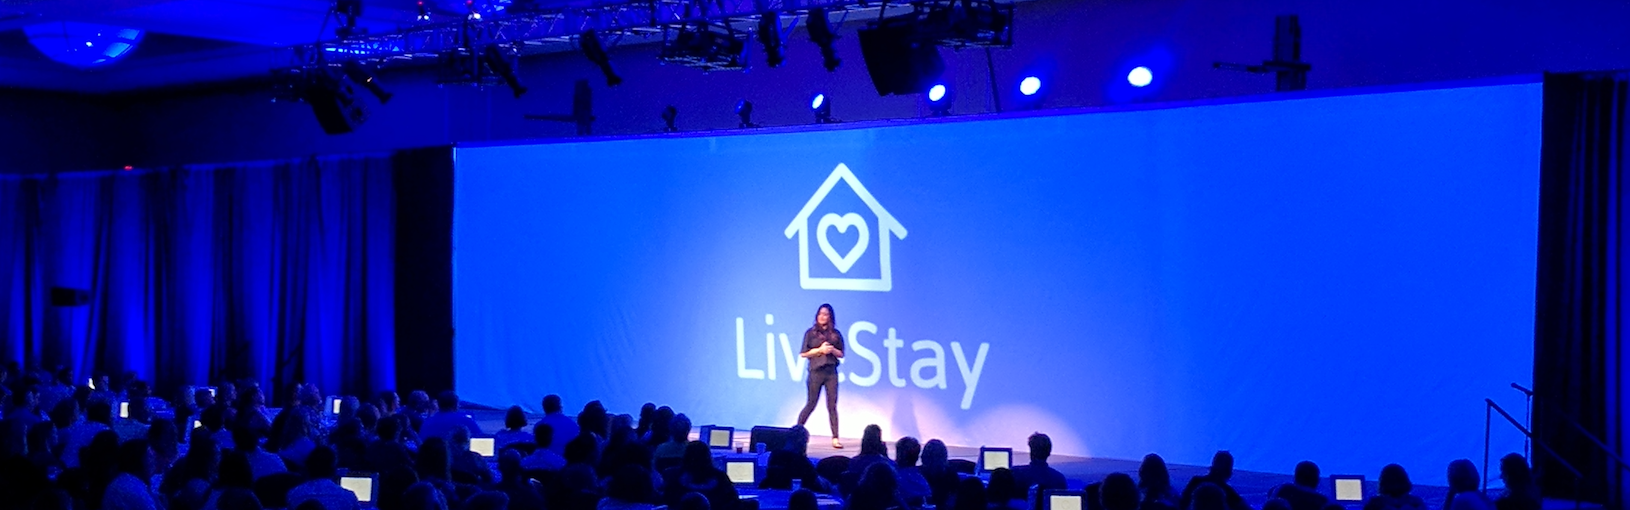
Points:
(791, 462)
(213, 420)
(129, 489)
(1520, 492)
(425, 496)
(23, 408)
(1155, 485)
(678, 436)
(1118, 492)
(297, 435)
(629, 489)
(98, 418)
(41, 437)
(970, 495)
(163, 438)
(387, 452)
(1276, 504)
(447, 418)
(544, 457)
(914, 487)
(696, 473)
(393, 488)
(1004, 492)
(188, 483)
(1303, 492)
(321, 469)
(468, 466)
(1207, 496)
(514, 429)
(435, 466)
(872, 451)
(647, 413)
(579, 475)
(936, 468)
(1463, 491)
(487, 500)
(661, 422)
(565, 428)
(523, 495)
(389, 403)
(261, 463)
(235, 475)
(1038, 473)
(1222, 469)
(350, 444)
(1394, 493)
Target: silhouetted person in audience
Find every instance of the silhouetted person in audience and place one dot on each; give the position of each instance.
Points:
(187, 485)
(1520, 492)
(1394, 492)
(1038, 473)
(914, 487)
(467, 463)
(425, 496)
(435, 466)
(1463, 491)
(594, 420)
(1208, 496)
(1222, 469)
(252, 412)
(239, 499)
(936, 468)
(694, 501)
(879, 489)
(872, 451)
(522, 494)
(417, 408)
(1155, 485)
(321, 468)
(129, 490)
(565, 428)
(661, 421)
(1117, 492)
(696, 473)
(98, 418)
(235, 474)
(647, 413)
(261, 462)
(166, 445)
(628, 489)
(514, 430)
(678, 436)
(1276, 504)
(388, 402)
(24, 407)
(447, 418)
(970, 495)
(350, 444)
(791, 462)
(387, 452)
(579, 475)
(488, 500)
(393, 488)
(42, 437)
(1303, 493)
(213, 419)
(1004, 492)
(544, 458)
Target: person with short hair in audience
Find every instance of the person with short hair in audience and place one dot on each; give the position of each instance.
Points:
(387, 451)
(628, 489)
(1155, 485)
(252, 412)
(514, 429)
(678, 436)
(447, 418)
(1038, 473)
(350, 444)
(1004, 491)
(579, 476)
(368, 416)
(914, 487)
(465, 462)
(213, 419)
(1463, 488)
(23, 407)
(696, 473)
(872, 451)
(1118, 492)
(1520, 492)
(523, 495)
(98, 418)
(878, 489)
(1208, 496)
(791, 462)
(388, 402)
(188, 483)
(1395, 492)
(564, 427)
(235, 473)
(41, 437)
(129, 489)
(165, 441)
(425, 496)
(1222, 469)
(296, 435)
(321, 469)
(1303, 492)
(936, 468)
(65, 414)
(261, 462)
(544, 457)
(417, 409)
(435, 466)
(970, 495)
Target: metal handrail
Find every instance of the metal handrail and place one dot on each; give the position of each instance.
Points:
(1578, 478)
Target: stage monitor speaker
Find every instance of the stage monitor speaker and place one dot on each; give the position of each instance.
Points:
(899, 61)
(64, 296)
(774, 438)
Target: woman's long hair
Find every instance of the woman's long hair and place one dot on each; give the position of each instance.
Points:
(832, 319)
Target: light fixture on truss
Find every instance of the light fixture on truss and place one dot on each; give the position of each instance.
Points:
(706, 46)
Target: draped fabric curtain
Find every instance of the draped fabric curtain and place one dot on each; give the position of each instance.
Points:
(1580, 305)
(282, 272)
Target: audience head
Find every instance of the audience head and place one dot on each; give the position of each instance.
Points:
(368, 416)
(203, 459)
(509, 464)
(698, 458)
(423, 496)
(879, 484)
(630, 484)
(389, 430)
(418, 401)
(1394, 481)
(696, 501)
(1515, 473)
(582, 449)
(235, 471)
(1041, 447)
(1153, 477)
(593, 418)
(647, 413)
(65, 413)
(310, 395)
(102, 455)
(244, 439)
(322, 463)
(99, 411)
(459, 439)
(488, 500)
(797, 440)
(1307, 474)
(871, 441)
(936, 455)
(1222, 466)
(1208, 496)
(393, 487)
(213, 418)
(543, 435)
(226, 393)
(1003, 486)
(203, 398)
(1119, 492)
(162, 437)
(551, 404)
(514, 418)
(136, 458)
(679, 429)
(1462, 476)
(970, 495)
(447, 401)
(906, 452)
(389, 402)
(1276, 504)
(435, 460)
(661, 421)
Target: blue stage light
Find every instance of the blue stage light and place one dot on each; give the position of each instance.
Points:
(936, 93)
(1030, 85)
(822, 109)
(820, 99)
(1140, 76)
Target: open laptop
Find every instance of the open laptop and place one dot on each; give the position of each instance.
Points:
(742, 472)
(1064, 500)
(718, 437)
(485, 446)
(1347, 488)
(991, 459)
(124, 410)
(334, 405)
(364, 485)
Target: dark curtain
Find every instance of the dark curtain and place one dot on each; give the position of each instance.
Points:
(282, 272)
(1580, 304)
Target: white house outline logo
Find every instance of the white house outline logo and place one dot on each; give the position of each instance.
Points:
(887, 227)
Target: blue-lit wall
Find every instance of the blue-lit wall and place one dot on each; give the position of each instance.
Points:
(1342, 278)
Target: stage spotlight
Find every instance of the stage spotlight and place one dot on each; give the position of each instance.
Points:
(1030, 85)
(365, 77)
(820, 31)
(669, 116)
(744, 110)
(939, 100)
(475, 15)
(769, 35)
(424, 12)
(823, 109)
(596, 53)
(1140, 76)
(495, 59)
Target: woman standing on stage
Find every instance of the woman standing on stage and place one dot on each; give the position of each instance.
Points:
(823, 346)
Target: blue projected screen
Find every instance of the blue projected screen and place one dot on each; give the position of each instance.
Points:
(1341, 279)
